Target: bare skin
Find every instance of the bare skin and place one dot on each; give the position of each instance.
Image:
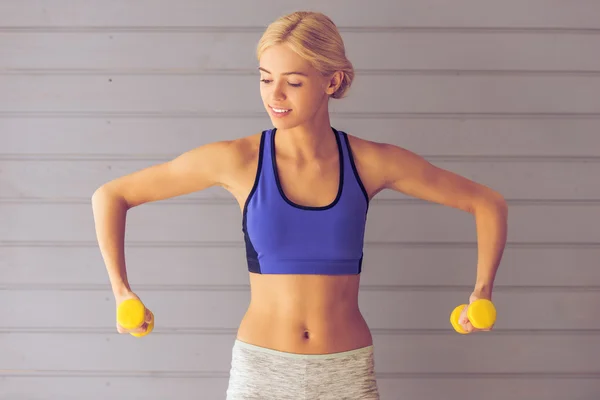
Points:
(307, 314)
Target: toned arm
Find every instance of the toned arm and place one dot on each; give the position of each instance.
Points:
(192, 171)
(409, 173)
(406, 172)
(195, 170)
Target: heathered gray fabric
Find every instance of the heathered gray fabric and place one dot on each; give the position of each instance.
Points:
(266, 374)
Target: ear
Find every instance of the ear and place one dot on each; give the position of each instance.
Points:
(334, 82)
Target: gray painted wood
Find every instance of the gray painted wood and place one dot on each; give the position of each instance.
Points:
(215, 307)
(508, 98)
(98, 386)
(387, 222)
(111, 135)
(395, 354)
(184, 52)
(76, 177)
(575, 14)
(396, 264)
(370, 94)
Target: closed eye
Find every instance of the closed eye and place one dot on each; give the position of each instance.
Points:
(291, 84)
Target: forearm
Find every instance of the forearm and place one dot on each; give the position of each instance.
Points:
(109, 218)
(491, 226)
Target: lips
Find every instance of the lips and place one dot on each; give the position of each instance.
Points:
(277, 114)
(279, 108)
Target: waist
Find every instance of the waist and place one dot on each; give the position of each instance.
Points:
(304, 314)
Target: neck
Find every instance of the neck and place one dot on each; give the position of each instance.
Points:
(311, 140)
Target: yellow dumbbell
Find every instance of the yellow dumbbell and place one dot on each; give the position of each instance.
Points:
(131, 314)
(481, 314)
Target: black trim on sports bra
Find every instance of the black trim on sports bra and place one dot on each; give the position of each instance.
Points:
(341, 177)
(354, 169)
(251, 253)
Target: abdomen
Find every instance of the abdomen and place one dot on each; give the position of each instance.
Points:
(307, 314)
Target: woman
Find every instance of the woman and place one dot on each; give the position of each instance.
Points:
(303, 188)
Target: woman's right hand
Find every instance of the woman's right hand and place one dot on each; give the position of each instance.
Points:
(147, 319)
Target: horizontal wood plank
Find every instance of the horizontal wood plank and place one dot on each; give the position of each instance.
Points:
(515, 179)
(368, 94)
(386, 223)
(185, 13)
(151, 387)
(393, 354)
(155, 266)
(184, 52)
(224, 308)
(114, 136)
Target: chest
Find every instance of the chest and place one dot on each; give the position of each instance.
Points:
(315, 184)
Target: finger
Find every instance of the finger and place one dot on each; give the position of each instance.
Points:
(472, 329)
(469, 327)
(120, 329)
(149, 316)
(141, 329)
(463, 319)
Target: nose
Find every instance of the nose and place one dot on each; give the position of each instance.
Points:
(278, 92)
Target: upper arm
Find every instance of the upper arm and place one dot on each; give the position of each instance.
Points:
(409, 173)
(194, 170)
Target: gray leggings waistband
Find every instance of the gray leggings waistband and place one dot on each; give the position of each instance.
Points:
(365, 350)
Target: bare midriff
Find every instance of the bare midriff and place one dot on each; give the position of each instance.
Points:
(304, 314)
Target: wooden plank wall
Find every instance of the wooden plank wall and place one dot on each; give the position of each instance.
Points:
(506, 93)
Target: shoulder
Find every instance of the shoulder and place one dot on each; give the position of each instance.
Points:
(393, 167)
(364, 148)
(245, 149)
(233, 152)
(368, 149)
(376, 155)
(380, 154)
(237, 159)
(221, 160)
(381, 163)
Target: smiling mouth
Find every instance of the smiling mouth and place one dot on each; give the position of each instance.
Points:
(280, 110)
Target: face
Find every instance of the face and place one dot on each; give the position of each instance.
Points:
(288, 82)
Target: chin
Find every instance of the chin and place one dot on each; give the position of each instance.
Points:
(281, 124)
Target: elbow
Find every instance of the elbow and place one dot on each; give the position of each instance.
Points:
(104, 194)
(500, 202)
(501, 207)
(99, 194)
(491, 200)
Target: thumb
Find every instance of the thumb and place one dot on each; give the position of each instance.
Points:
(463, 319)
(149, 316)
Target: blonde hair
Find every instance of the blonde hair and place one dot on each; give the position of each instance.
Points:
(314, 37)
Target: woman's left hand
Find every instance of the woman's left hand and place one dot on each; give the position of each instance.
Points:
(463, 320)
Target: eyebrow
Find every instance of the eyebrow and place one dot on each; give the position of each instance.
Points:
(285, 73)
